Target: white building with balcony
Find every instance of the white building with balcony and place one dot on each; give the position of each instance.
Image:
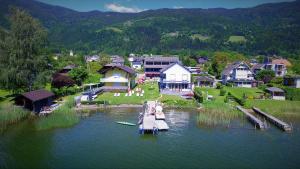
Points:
(240, 74)
(175, 77)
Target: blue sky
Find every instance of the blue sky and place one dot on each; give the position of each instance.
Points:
(140, 5)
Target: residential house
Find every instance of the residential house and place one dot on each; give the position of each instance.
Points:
(175, 77)
(279, 66)
(136, 62)
(93, 58)
(35, 100)
(117, 77)
(61, 77)
(240, 74)
(194, 70)
(202, 60)
(115, 59)
(276, 93)
(257, 67)
(153, 65)
(292, 81)
(204, 81)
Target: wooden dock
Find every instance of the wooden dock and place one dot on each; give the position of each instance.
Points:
(149, 121)
(284, 126)
(257, 122)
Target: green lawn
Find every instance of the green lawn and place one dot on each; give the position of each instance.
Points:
(236, 39)
(200, 37)
(276, 107)
(216, 111)
(177, 101)
(240, 91)
(151, 93)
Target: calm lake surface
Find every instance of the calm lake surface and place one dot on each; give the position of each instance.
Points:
(98, 142)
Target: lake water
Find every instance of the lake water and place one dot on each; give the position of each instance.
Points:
(98, 142)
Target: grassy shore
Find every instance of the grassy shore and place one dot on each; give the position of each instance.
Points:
(277, 107)
(177, 101)
(216, 111)
(9, 113)
(64, 116)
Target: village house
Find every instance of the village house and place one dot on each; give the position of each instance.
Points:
(276, 93)
(194, 70)
(175, 78)
(36, 100)
(257, 67)
(136, 62)
(239, 74)
(204, 81)
(61, 78)
(202, 60)
(292, 81)
(116, 59)
(153, 65)
(279, 66)
(117, 78)
(94, 58)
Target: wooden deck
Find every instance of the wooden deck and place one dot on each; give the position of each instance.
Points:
(284, 126)
(257, 122)
(149, 121)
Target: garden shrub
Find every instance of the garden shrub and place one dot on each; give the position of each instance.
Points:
(222, 92)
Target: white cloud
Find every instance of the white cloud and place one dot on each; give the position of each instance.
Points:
(123, 9)
(177, 7)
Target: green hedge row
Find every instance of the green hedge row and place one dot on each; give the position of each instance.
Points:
(240, 101)
(292, 93)
(95, 102)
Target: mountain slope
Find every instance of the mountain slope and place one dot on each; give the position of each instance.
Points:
(271, 28)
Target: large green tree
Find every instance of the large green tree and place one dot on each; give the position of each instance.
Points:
(21, 63)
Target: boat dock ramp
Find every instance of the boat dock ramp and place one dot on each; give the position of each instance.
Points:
(257, 122)
(262, 125)
(284, 126)
(152, 119)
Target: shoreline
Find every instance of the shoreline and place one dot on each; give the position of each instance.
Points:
(95, 107)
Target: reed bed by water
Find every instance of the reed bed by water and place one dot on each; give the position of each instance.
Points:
(10, 114)
(64, 116)
(217, 114)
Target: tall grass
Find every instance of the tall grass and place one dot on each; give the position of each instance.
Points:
(217, 114)
(64, 116)
(10, 114)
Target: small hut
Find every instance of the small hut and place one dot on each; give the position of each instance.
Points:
(36, 100)
(276, 93)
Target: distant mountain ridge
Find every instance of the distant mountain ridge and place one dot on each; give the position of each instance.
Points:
(271, 28)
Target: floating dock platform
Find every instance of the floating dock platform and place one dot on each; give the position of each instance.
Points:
(257, 122)
(284, 126)
(153, 119)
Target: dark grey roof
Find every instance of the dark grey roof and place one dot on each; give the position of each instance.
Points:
(159, 59)
(112, 66)
(257, 66)
(37, 95)
(204, 78)
(274, 89)
(171, 65)
(230, 67)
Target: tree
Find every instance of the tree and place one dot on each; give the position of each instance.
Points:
(78, 74)
(265, 75)
(21, 61)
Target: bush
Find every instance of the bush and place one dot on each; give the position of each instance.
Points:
(222, 92)
(95, 102)
(65, 91)
(198, 95)
(292, 93)
(219, 85)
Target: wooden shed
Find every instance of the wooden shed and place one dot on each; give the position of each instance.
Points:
(36, 100)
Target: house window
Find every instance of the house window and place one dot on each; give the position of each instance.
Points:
(116, 75)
